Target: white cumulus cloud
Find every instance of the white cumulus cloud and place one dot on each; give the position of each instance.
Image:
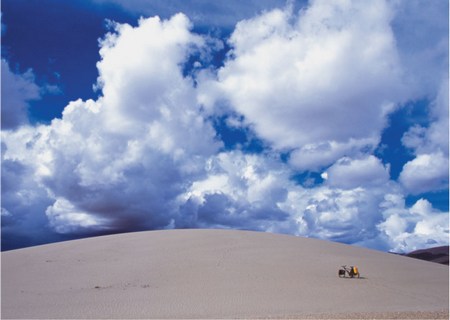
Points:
(145, 154)
(410, 229)
(320, 83)
(119, 162)
(353, 173)
(429, 170)
(240, 191)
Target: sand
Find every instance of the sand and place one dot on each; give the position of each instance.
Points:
(216, 274)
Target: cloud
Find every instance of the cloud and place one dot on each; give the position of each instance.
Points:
(423, 51)
(342, 215)
(24, 200)
(239, 191)
(310, 83)
(145, 154)
(410, 229)
(433, 138)
(244, 191)
(428, 171)
(117, 164)
(17, 91)
(349, 173)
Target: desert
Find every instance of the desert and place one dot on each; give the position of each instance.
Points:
(216, 274)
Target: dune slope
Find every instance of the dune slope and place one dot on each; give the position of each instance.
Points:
(213, 274)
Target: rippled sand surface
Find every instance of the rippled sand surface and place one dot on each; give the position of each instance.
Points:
(217, 274)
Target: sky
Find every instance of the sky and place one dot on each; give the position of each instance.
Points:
(322, 119)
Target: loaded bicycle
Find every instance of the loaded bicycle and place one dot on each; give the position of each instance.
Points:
(351, 271)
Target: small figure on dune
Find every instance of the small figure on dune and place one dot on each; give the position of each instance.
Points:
(352, 271)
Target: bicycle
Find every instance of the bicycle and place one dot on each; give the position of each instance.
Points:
(351, 272)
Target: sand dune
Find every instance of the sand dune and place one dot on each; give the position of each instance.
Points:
(216, 274)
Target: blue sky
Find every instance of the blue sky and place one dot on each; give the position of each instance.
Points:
(325, 119)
